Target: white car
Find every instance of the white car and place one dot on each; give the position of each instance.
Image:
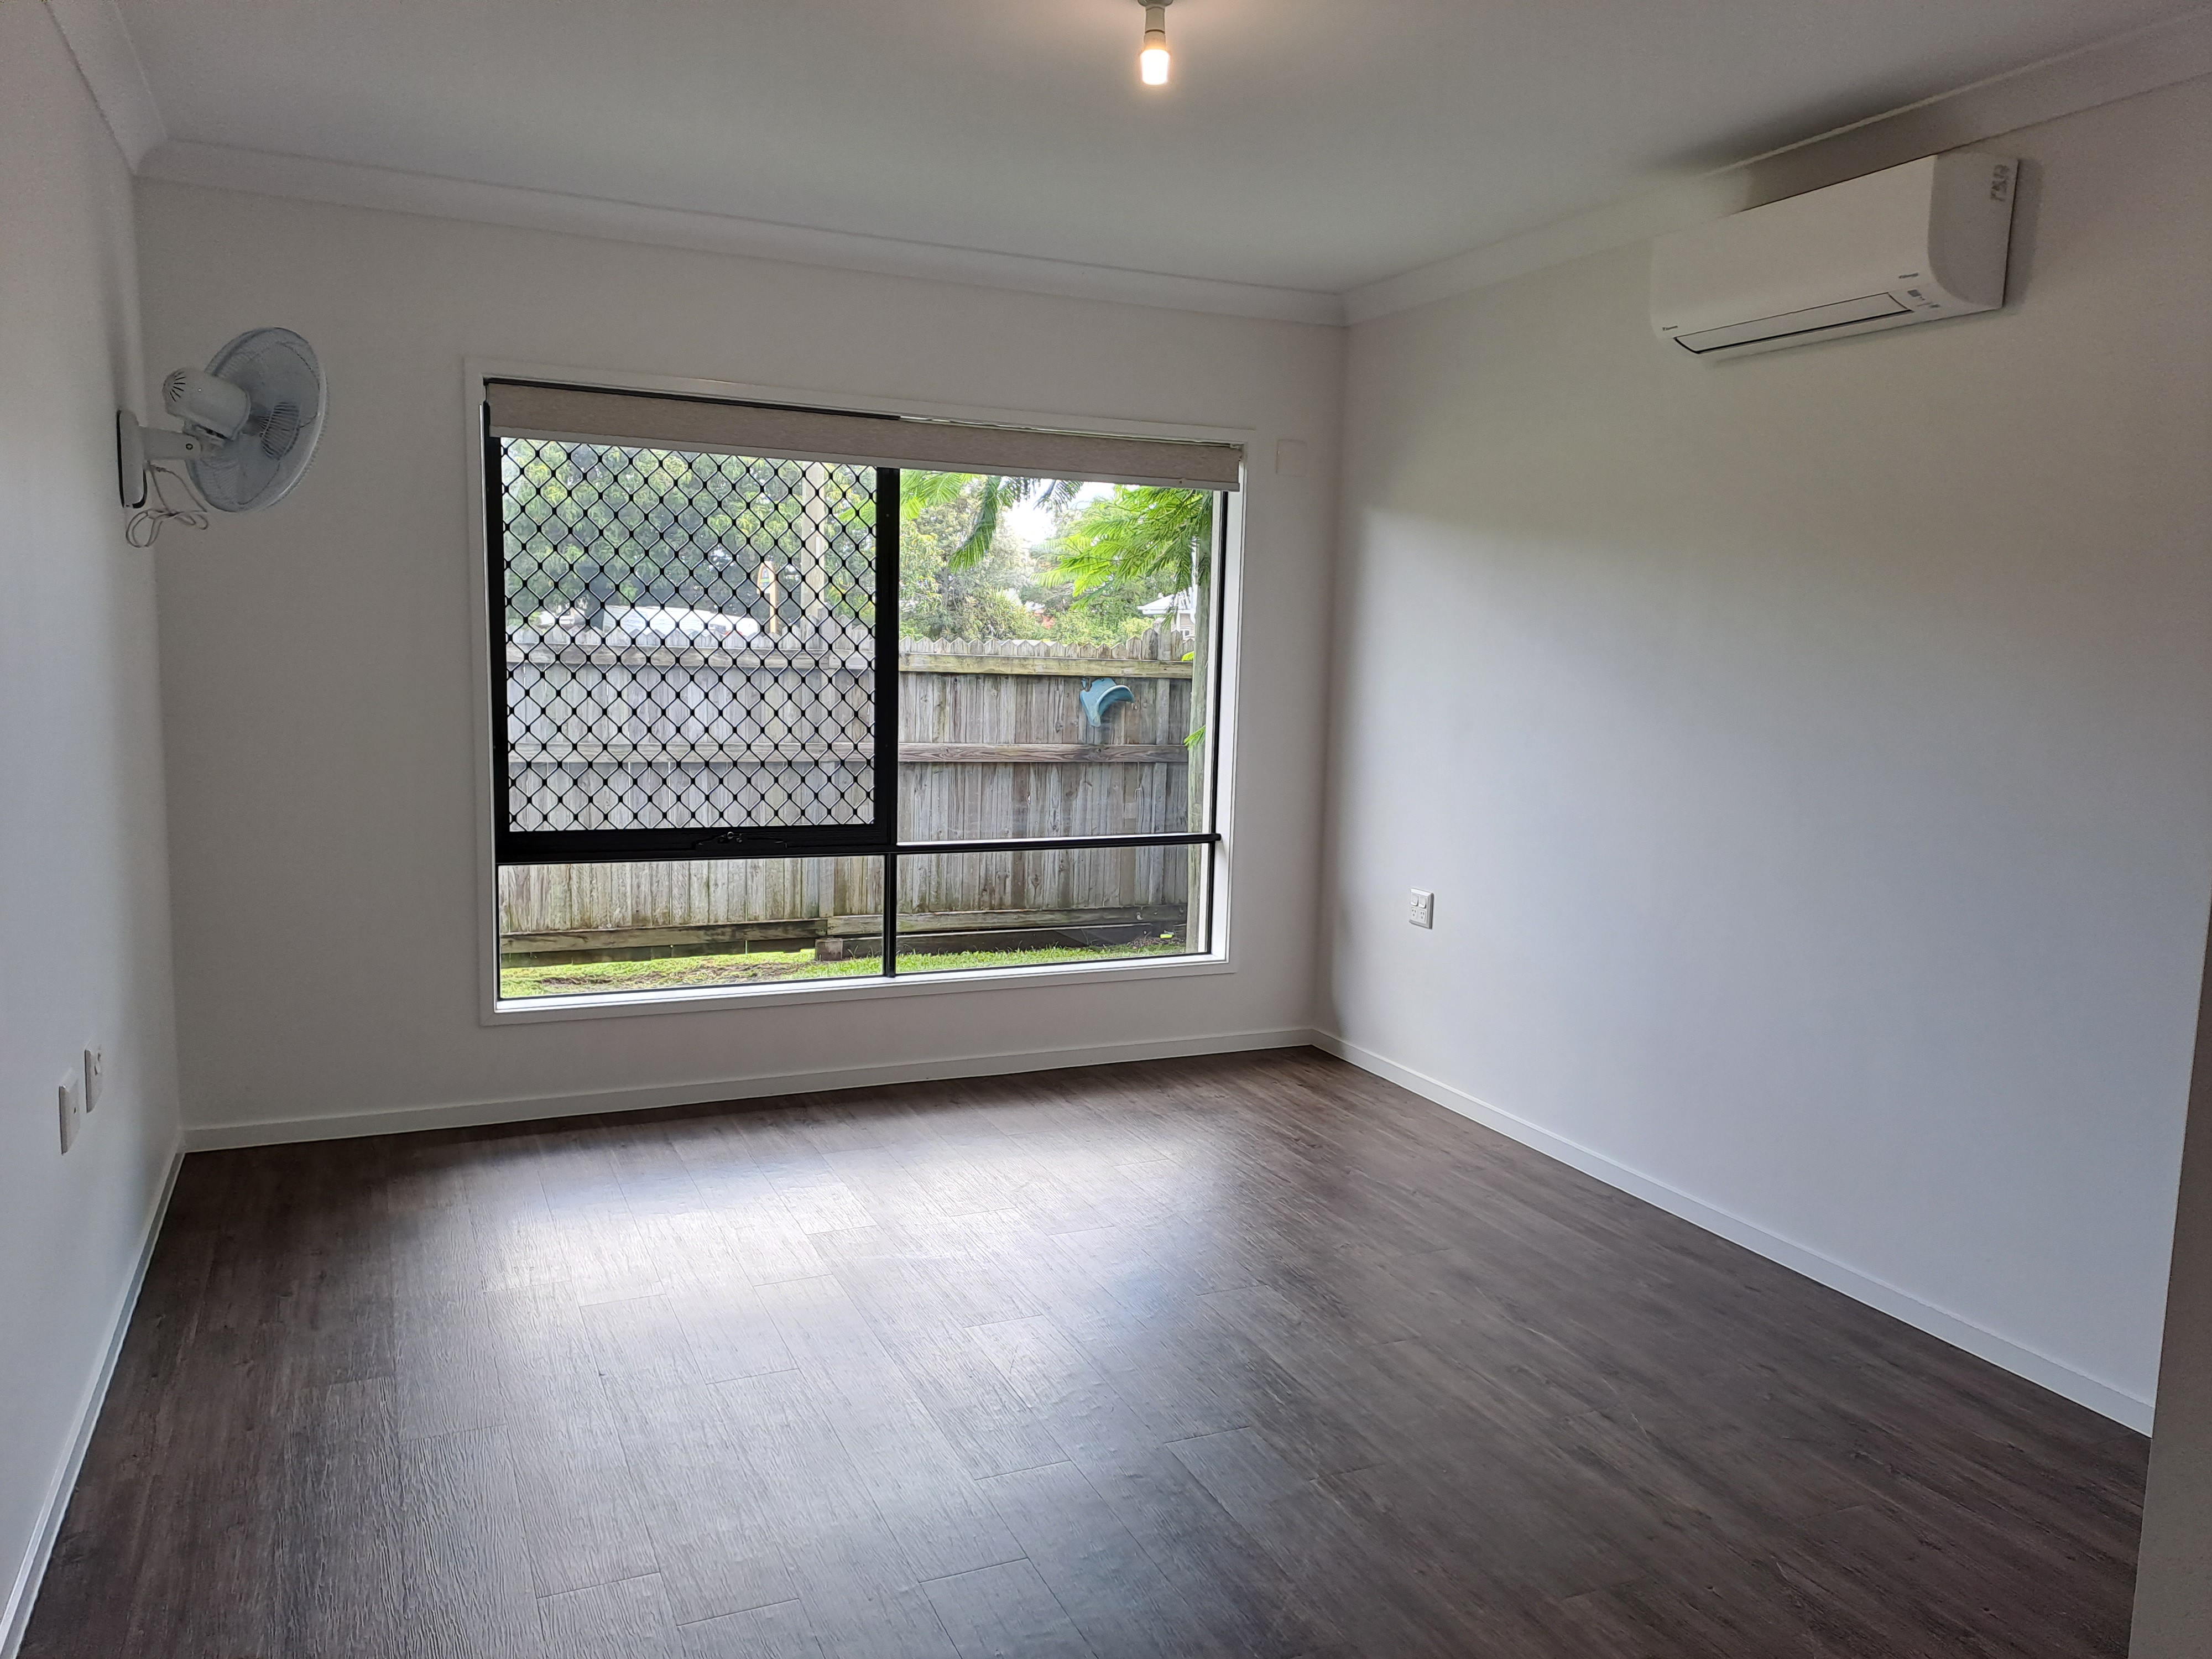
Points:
(671, 622)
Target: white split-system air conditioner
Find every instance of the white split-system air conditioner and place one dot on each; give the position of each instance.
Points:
(1909, 245)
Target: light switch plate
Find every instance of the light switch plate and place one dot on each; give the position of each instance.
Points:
(1422, 913)
(72, 1113)
(94, 1066)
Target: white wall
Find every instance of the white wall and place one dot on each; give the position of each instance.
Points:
(2173, 1590)
(317, 686)
(84, 909)
(1809, 752)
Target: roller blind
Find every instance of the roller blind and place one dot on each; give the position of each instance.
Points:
(578, 415)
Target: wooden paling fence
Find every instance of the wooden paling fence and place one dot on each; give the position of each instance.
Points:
(993, 742)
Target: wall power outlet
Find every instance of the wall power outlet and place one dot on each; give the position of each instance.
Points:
(1422, 913)
(72, 1113)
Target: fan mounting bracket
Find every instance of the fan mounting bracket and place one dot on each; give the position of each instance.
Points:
(137, 446)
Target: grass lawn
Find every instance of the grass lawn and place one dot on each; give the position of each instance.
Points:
(675, 973)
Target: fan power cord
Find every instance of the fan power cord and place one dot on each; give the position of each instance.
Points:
(145, 527)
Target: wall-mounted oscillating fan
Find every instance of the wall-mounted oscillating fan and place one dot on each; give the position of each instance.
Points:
(251, 420)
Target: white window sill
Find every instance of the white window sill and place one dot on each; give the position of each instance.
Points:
(525, 1010)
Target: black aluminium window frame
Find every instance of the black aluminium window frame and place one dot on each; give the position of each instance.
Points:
(880, 840)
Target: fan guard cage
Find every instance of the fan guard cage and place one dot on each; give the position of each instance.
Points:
(279, 373)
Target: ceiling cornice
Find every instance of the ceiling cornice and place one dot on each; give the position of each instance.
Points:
(2139, 61)
(349, 185)
(100, 42)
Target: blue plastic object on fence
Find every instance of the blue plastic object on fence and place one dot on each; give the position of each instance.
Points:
(1103, 696)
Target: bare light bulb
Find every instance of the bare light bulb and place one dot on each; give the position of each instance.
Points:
(1152, 61)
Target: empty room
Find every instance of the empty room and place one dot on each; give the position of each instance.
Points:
(1066, 829)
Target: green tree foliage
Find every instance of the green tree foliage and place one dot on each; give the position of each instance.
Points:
(1113, 554)
(984, 499)
(949, 590)
(593, 524)
(1142, 535)
(1105, 616)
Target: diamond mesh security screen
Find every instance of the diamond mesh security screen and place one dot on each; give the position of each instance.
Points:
(690, 649)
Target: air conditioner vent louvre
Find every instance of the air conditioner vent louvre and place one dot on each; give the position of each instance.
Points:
(1819, 319)
(1827, 263)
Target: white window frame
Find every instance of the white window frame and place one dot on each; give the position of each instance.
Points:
(1219, 958)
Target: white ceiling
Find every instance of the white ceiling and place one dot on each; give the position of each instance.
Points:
(1302, 145)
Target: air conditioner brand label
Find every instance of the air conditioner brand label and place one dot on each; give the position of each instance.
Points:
(2000, 184)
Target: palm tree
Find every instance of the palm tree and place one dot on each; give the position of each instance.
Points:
(994, 494)
(1149, 535)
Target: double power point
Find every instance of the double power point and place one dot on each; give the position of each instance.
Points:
(1422, 912)
(80, 1093)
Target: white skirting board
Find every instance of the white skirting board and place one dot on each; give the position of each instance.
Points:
(403, 1120)
(2040, 1369)
(25, 1589)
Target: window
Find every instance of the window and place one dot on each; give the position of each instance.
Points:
(784, 694)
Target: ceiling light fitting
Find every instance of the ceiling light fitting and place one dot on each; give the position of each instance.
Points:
(1152, 61)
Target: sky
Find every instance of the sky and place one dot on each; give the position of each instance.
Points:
(1033, 523)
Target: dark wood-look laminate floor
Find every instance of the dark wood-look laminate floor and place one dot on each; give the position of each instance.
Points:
(1243, 1356)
